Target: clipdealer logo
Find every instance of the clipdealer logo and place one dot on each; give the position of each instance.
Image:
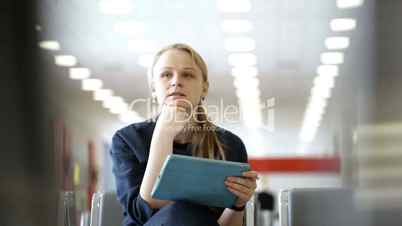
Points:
(221, 112)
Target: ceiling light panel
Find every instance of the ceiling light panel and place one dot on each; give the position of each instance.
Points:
(79, 73)
(244, 71)
(328, 70)
(111, 101)
(116, 7)
(102, 94)
(343, 24)
(331, 58)
(242, 59)
(237, 26)
(345, 4)
(50, 45)
(334, 43)
(131, 28)
(239, 44)
(65, 60)
(91, 84)
(234, 6)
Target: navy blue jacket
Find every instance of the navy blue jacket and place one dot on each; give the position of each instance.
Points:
(130, 151)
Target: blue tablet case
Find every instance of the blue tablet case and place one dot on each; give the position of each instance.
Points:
(197, 180)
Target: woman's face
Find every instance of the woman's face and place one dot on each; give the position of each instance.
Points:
(177, 79)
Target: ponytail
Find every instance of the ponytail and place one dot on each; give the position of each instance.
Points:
(206, 143)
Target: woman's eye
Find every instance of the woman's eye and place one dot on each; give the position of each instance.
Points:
(188, 75)
(166, 74)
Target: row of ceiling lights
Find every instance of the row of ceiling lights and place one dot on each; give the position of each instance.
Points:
(242, 60)
(115, 104)
(327, 71)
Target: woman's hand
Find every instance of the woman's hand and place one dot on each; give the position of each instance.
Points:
(173, 118)
(243, 187)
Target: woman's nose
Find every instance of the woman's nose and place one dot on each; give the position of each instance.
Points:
(175, 81)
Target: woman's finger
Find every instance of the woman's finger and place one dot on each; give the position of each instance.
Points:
(247, 182)
(245, 190)
(241, 195)
(238, 187)
(251, 174)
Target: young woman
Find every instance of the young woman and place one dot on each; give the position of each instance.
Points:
(179, 83)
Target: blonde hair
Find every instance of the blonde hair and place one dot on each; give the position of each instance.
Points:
(203, 135)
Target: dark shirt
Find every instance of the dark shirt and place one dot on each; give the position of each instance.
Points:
(130, 151)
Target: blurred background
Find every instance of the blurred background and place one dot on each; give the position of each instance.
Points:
(313, 89)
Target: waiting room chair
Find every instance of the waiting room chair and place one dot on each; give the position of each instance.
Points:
(318, 207)
(107, 211)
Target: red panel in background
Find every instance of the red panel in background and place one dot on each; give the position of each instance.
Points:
(296, 165)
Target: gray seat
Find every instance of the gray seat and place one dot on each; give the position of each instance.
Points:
(107, 211)
(318, 207)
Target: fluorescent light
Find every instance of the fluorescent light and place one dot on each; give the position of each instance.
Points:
(111, 101)
(324, 81)
(234, 6)
(142, 45)
(236, 26)
(248, 94)
(314, 116)
(240, 44)
(116, 7)
(310, 125)
(130, 117)
(246, 83)
(146, 60)
(314, 113)
(251, 113)
(49, 45)
(65, 60)
(252, 119)
(242, 59)
(337, 42)
(327, 70)
(244, 71)
(319, 95)
(91, 84)
(79, 73)
(130, 28)
(312, 121)
(332, 58)
(343, 24)
(307, 135)
(102, 94)
(118, 108)
(250, 106)
(343, 4)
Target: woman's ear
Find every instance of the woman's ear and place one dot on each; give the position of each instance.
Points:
(205, 87)
(152, 87)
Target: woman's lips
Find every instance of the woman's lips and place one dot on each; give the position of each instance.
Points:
(174, 97)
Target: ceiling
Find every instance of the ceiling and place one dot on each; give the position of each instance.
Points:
(289, 37)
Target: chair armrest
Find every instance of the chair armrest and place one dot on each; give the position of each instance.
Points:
(249, 212)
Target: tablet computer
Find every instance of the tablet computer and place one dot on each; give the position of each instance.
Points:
(197, 180)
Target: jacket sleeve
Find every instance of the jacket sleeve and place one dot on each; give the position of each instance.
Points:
(128, 173)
